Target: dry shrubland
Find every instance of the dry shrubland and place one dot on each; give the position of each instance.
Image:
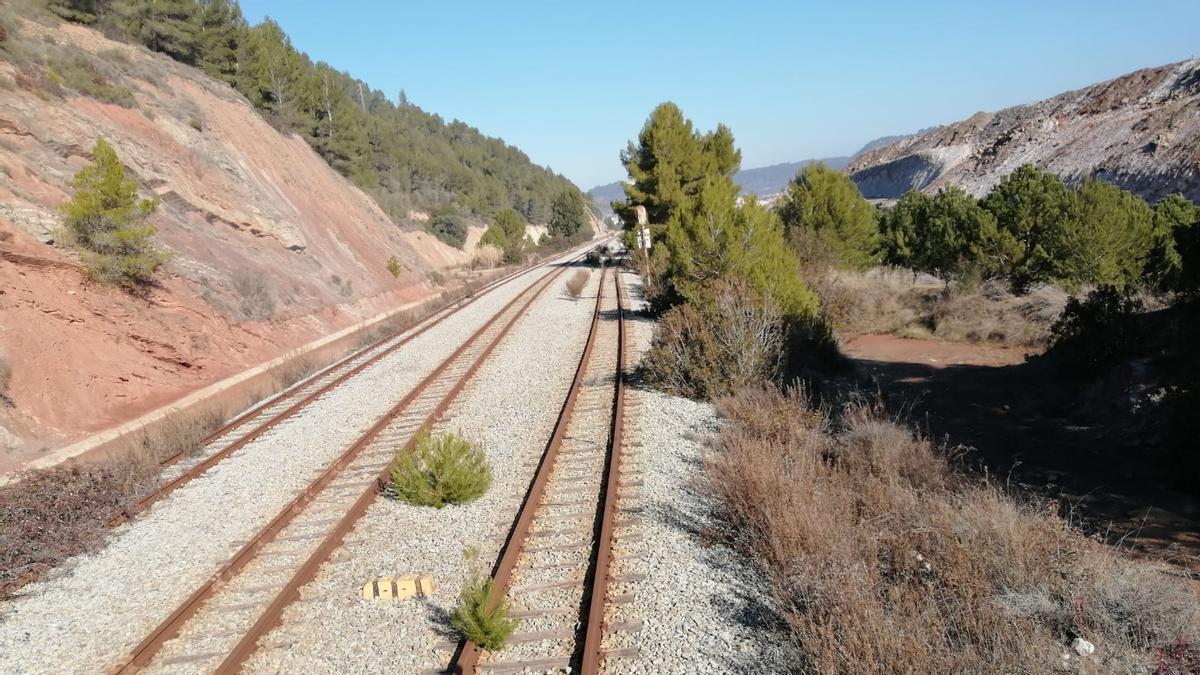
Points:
(49, 515)
(894, 300)
(883, 559)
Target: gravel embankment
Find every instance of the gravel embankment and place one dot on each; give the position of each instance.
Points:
(97, 607)
(510, 408)
(697, 602)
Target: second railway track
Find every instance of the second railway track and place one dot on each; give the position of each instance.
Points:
(219, 624)
(264, 416)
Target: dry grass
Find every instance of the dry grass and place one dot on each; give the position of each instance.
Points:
(576, 284)
(883, 559)
(892, 300)
(487, 257)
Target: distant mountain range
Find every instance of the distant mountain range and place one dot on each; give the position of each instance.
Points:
(1140, 131)
(764, 181)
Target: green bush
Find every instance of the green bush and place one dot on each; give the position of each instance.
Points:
(440, 470)
(394, 267)
(1098, 331)
(507, 233)
(489, 628)
(106, 221)
(450, 228)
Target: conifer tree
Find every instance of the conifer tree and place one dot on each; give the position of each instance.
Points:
(827, 205)
(567, 219)
(106, 221)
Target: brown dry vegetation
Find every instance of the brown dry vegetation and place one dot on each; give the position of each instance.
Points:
(893, 300)
(49, 515)
(883, 559)
(5, 376)
(576, 284)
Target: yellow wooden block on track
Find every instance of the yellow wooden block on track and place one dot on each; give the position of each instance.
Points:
(399, 588)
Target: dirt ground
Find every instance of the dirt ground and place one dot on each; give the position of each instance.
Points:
(1013, 420)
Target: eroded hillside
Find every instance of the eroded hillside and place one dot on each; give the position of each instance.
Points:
(271, 248)
(1140, 131)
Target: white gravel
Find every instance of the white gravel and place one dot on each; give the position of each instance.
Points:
(510, 408)
(97, 607)
(698, 602)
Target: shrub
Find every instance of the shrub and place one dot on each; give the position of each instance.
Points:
(394, 267)
(488, 627)
(440, 470)
(507, 233)
(53, 514)
(436, 278)
(880, 558)
(576, 283)
(486, 257)
(730, 338)
(255, 301)
(5, 376)
(450, 228)
(1098, 331)
(107, 222)
(78, 72)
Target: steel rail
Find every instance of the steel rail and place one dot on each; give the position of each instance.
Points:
(466, 659)
(597, 599)
(204, 465)
(170, 627)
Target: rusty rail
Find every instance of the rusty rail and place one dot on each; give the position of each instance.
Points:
(145, 651)
(204, 465)
(466, 659)
(597, 599)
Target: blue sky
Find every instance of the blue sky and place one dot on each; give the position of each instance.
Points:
(570, 83)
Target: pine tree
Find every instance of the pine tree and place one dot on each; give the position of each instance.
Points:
(827, 205)
(714, 239)
(567, 220)
(1109, 241)
(106, 221)
(669, 163)
(1173, 215)
(507, 233)
(1036, 208)
(946, 233)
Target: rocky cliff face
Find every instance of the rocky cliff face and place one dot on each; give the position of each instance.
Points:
(1140, 131)
(272, 248)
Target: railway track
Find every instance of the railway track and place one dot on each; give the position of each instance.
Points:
(555, 565)
(220, 624)
(261, 418)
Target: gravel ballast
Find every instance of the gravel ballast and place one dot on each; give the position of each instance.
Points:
(510, 408)
(93, 610)
(697, 601)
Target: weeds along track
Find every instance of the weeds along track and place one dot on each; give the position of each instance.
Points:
(555, 566)
(219, 625)
(179, 469)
